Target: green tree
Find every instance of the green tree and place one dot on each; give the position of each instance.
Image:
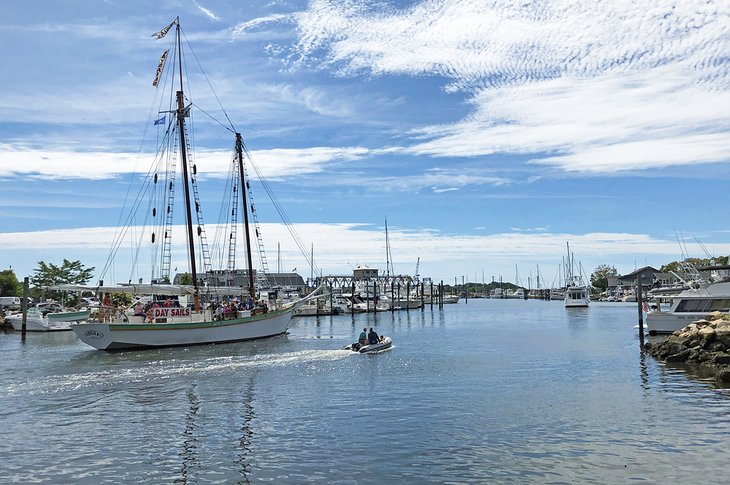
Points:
(599, 277)
(697, 262)
(9, 284)
(49, 274)
(186, 279)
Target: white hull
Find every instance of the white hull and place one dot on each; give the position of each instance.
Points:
(37, 324)
(668, 322)
(380, 346)
(115, 336)
(688, 306)
(576, 297)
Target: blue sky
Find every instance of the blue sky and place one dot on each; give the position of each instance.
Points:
(489, 133)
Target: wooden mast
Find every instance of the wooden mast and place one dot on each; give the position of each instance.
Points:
(239, 152)
(184, 155)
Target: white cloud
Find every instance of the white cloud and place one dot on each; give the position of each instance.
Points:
(339, 247)
(276, 163)
(600, 86)
(244, 28)
(206, 11)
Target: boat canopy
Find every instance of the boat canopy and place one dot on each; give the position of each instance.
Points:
(132, 289)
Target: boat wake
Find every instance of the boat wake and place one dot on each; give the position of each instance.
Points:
(162, 370)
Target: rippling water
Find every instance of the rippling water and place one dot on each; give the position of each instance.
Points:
(493, 391)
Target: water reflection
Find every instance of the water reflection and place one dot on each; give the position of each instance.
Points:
(577, 318)
(189, 453)
(643, 371)
(245, 442)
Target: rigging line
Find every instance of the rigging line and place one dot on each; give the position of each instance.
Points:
(120, 234)
(285, 218)
(222, 227)
(210, 85)
(132, 174)
(119, 238)
(212, 117)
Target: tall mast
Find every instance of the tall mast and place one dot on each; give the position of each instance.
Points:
(184, 155)
(239, 153)
(387, 250)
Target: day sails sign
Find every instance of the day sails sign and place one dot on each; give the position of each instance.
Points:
(170, 312)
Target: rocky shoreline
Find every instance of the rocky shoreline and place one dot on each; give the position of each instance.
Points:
(705, 343)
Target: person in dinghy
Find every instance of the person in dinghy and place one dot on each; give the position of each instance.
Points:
(370, 342)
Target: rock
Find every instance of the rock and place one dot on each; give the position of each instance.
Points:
(721, 359)
(707, 333)
(715, 347)
(724, 376)
(717, 321)
(679, 357)
(722, 335)
(696, 355)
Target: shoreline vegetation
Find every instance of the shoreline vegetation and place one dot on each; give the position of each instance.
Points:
(704, 343)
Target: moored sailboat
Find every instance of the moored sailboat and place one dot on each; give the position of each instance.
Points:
(576, 292)
(188, 323)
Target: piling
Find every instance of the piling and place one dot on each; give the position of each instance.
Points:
(352, 299)
(423, 288)
(431, 299)
(408, 296)
(639, 298)
(441, 295)
(24, 308)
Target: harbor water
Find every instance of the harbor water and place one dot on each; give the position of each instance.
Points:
(493, 391)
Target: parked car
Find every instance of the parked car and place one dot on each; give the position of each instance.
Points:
(9, 303)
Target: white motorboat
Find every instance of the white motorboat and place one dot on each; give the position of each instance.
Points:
(450, 299)
(576, 293)
(688, 306)
(38, 321)
(576, 297)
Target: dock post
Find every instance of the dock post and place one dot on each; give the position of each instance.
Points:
(639, 297)
(408, 296)
(375, 296)
(423, 301)
(431, 294)
(352, 299)
(441, 295)
(24, 309)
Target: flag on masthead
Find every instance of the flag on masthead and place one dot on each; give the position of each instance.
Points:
(163, 32)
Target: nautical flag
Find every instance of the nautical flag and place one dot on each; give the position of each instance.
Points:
(160, 66)
(161, 121)
(163, 32)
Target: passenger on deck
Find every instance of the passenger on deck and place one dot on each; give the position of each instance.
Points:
(372, 336)
(363, 339)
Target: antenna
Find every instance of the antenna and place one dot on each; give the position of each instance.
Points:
(704, 249)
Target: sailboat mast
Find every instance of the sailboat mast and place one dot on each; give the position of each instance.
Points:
(387, 250)
(249, 259)
(184, 155)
